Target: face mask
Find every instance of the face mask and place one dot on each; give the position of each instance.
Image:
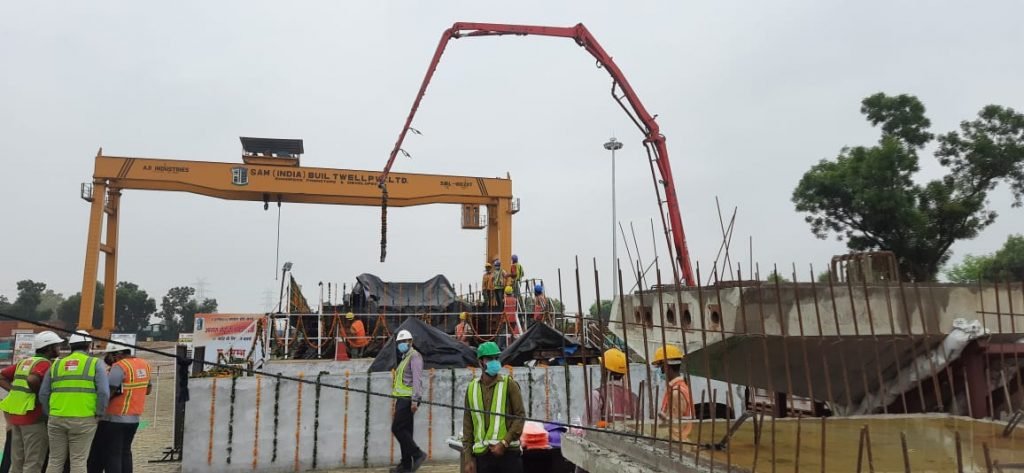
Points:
(493, 367)
(403, 347)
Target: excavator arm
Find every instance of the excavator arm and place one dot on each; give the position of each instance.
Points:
(654, 141)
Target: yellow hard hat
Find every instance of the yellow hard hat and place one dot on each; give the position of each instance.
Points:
(350, 316)
(487, 265)
(667, 352)
(614, 360)
(463, 316)
(508, 289)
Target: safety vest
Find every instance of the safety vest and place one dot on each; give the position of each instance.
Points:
(485, 435)
(21, 400)
(684, 428)
(73, 386)
(132, 400)
(399, 388)
(517, 272)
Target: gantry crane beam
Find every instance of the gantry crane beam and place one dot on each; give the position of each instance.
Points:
(271, 184)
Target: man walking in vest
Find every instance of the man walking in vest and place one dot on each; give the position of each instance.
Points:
(29, 439)
(490, 440)
(74, 393)
(408, 388)
(129, 380)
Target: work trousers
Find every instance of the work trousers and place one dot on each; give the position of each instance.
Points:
(28, 447)
(402, 428)
(112, 447)
(510, 462)
(70, 440)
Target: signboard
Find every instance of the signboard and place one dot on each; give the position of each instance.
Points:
(125, 339)
(23, 345)
(229, 334)
(186, 339)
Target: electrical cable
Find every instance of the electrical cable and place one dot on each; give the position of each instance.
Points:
(366, 391)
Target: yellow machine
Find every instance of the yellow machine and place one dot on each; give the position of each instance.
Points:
(271, 173)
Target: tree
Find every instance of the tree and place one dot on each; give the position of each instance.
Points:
(48, 304)
(868, 197)
(5, 303)
(30, 295)
(776, 277)
(1006, 264)
(178, 309)
(134, 308)
(606, 309)
(67, 311)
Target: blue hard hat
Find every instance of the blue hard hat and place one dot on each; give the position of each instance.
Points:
(538, 288)
(497, 262)
(515, 258)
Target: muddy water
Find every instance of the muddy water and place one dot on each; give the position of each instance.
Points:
(931, 444)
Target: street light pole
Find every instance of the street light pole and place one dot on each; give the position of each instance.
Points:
(614, 145)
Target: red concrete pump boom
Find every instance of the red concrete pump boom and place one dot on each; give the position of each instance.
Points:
(654, 141)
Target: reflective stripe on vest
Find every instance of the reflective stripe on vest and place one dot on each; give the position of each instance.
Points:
(399, 388)
(132, 400)
(73, 386)
(496, 430)
(21, 400)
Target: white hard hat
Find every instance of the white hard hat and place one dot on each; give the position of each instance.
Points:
(80, 336)
(45, 339)
(403, 335)
(115, 347)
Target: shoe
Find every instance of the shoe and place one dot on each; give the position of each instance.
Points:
(418, 460)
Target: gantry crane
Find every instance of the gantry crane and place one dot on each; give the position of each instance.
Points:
(654, 141)
(270, 172)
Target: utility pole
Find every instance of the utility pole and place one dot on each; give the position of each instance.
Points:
(613, 145)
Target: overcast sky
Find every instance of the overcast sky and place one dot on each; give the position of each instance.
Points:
(749, 95)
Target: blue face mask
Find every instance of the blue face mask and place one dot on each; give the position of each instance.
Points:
(403, 347)
(493, 368)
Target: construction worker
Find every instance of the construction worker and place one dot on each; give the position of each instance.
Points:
(407, 390)
(464, 332)
(130, 383)
(497, 281)
(676, 403)
(510, 310)
(29, 440)
(355, 335)
(516, 274)
(540, 303)
(490, 440)
(74, 393)
(614, 401)
(488, 287)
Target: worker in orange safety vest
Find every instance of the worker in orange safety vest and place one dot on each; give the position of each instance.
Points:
(509, 312)
(355, 334)
(130, 380)
(464, 332)
(676, 403)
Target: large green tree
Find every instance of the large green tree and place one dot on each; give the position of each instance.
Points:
(134, 307)
(30, 295)
(178, 309)
(604, 312)
(1006, 264)
(868, 195)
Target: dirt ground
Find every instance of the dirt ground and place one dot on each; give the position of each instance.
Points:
(156, 429)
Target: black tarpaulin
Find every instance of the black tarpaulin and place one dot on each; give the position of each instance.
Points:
(434, 297)
(538, 337)
(439, 350)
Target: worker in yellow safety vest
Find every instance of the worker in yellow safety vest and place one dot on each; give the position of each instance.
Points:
(516, 274)
(493, 420)
(29, 440)
(130, 381)
(677, 403)
(74, 393)
(407, 391)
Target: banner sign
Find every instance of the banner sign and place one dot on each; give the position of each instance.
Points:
(228, 334)
(23, 345)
